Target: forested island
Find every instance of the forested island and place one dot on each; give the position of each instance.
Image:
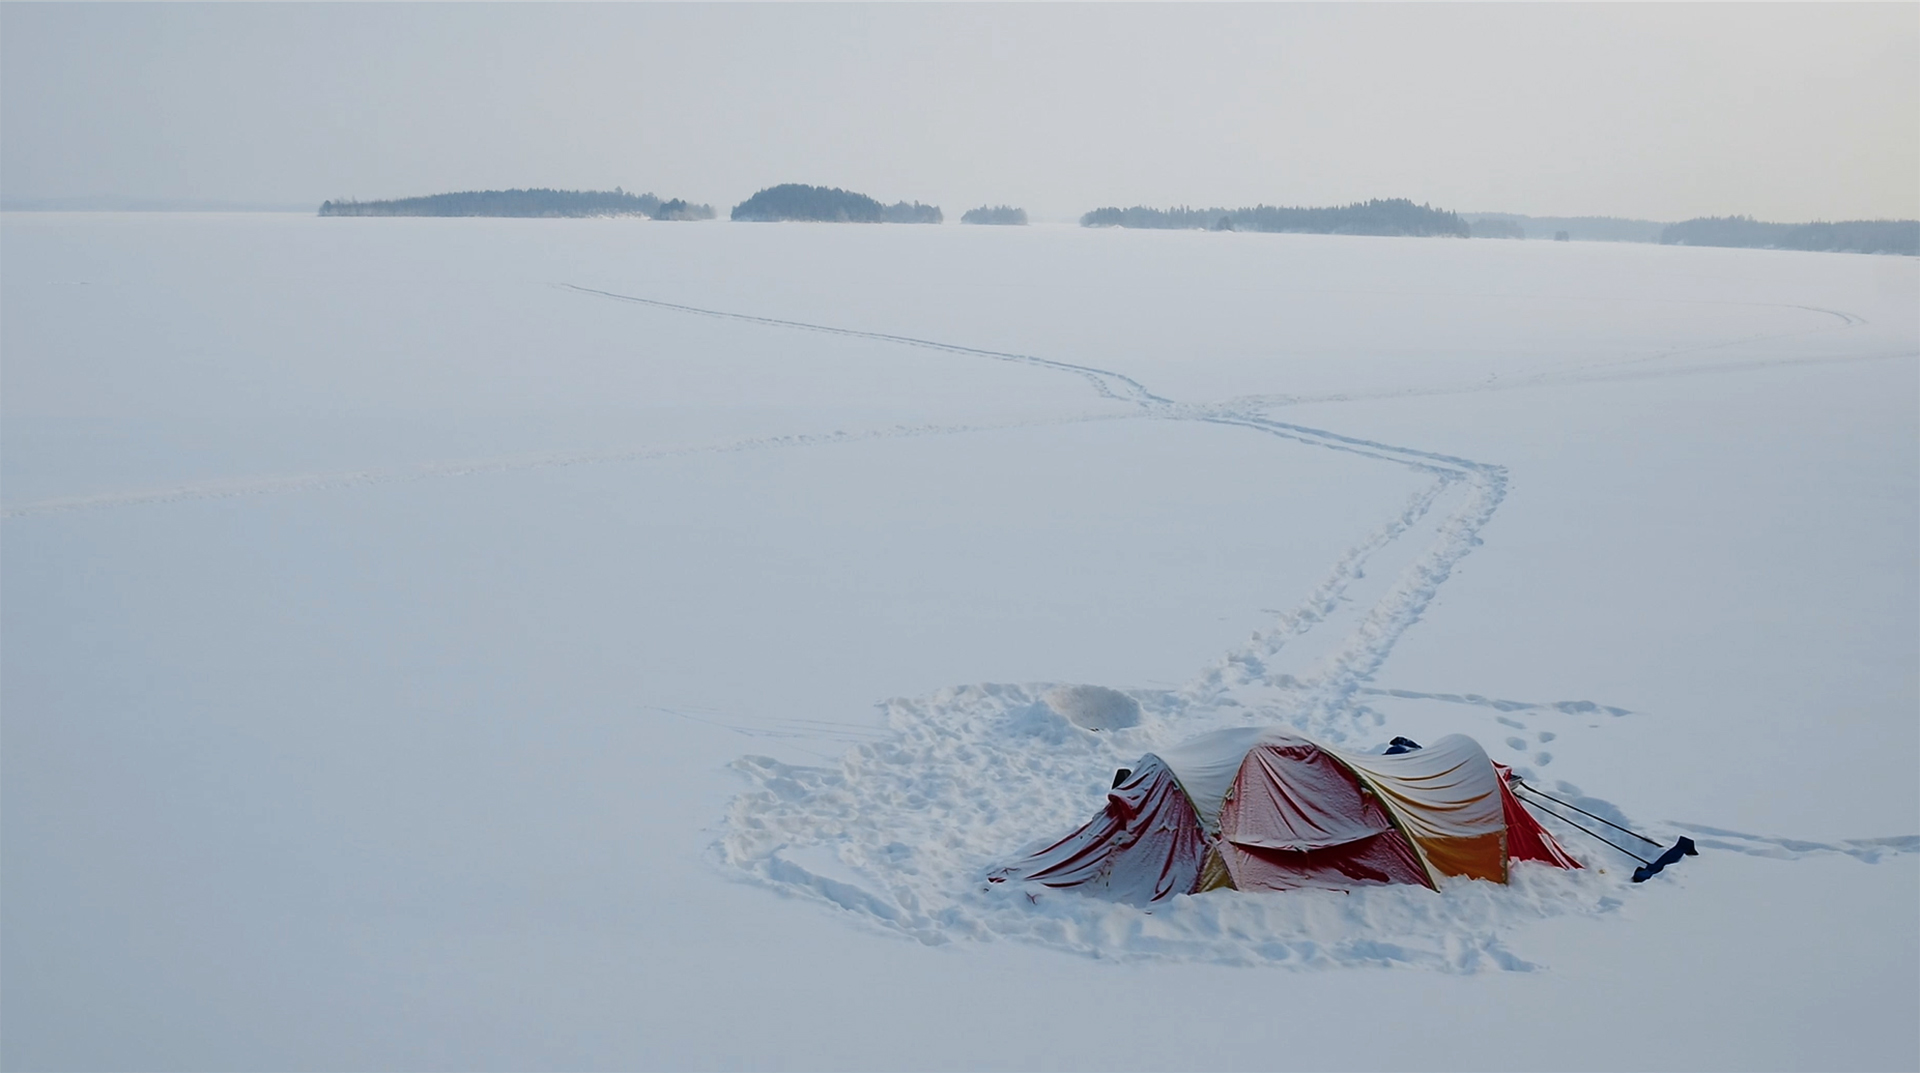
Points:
(1846, 236)
(830, 204)
(525, 203)
(1389, 216)
(995, 214)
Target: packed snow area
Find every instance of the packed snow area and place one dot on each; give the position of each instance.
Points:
(493, 644)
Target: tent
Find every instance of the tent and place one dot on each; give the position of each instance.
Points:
(1259, 808)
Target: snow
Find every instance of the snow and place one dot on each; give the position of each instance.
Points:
(496, 644)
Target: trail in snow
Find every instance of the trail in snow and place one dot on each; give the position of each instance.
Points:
(1553, 380)
(1373, 639)
(1328, 690)
(1870, 850)
(258, 486)
(1568, 707)
(1109, 385)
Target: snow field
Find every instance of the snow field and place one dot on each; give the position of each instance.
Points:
(387, 619)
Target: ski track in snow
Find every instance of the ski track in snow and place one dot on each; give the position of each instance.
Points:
(1109, 385)
(1870, 850)
(1619, 373)
(258, 486)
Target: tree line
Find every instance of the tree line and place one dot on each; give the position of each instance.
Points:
(1848, 236)
(1388, 216)
(539, 202)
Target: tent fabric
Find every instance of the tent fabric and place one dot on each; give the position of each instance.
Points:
(1447, 799)
(1297, 817)
(1526, 839)
(1294, 795)
(1372, 861)
(1146, 846)
(1258, 808)
(1206, 765)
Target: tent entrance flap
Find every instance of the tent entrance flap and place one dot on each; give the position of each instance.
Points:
(1295, 817)
(1146, 846)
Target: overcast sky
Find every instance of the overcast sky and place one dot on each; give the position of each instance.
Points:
(1782, 112)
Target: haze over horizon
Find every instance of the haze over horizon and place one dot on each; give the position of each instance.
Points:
(1785, 113)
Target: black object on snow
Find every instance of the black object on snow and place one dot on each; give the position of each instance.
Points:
(1401, 745)
(1121, 776)
(1682, 848)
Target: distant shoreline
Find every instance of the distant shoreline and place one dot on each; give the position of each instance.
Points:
(1898, 237)
(1389, 217)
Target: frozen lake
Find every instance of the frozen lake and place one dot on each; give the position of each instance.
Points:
(608, 644)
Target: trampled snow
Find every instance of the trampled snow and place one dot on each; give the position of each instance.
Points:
(467, 643)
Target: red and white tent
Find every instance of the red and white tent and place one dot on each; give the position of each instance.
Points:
(1259, 808)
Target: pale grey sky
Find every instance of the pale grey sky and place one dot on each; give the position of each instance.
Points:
(1784, 112)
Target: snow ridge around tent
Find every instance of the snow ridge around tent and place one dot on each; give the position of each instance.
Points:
(900, 834)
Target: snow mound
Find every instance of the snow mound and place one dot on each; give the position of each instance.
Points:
(901, 832)
(1094, 707)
